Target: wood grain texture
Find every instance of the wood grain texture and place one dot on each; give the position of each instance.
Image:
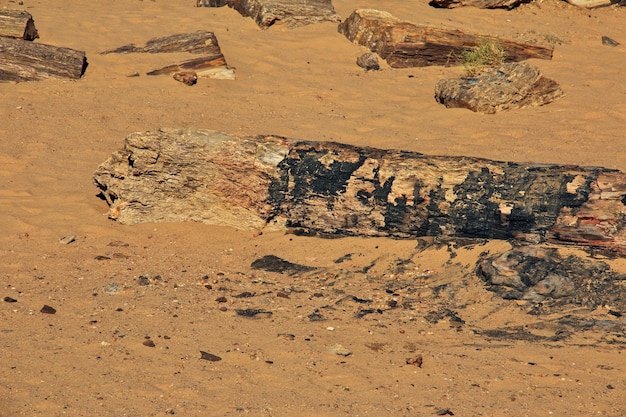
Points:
(404, 44)
(27, 61)
(334, 189)
(513, 85)
(198, 42)
(17, 24)
(291, 13)
(481, 4)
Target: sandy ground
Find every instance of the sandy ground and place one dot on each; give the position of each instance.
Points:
(136, 305)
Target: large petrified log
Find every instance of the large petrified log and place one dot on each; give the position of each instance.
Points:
(291, 13)
(17, 24)
(28, 61)
(513, 85)
(404, 44)
(211, 65)
(334, 189)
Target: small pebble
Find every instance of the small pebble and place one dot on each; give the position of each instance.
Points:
(209, 357)
(46, 309)
(338, 349)
(148, 343)
(10, 300)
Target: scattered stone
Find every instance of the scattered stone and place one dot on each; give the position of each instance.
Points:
(444, 412)
(416, 360)
(272, 263)
(186, 77)
(368, 61)
(102, 258)
(221, 299)
(245, 294)
(513, 85)
(315, 316)
(149, 343)
(592, 4)
(112, 289)
(253, 312)
(143, 280)
(46, 309)
(338, 349)
(609, 42)
(209, 357)
(10, 300)
(66, 240)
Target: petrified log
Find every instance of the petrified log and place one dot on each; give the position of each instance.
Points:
(341, 190)
(513, 85)
(481, 4)
(207, 66)
(404, 44)
(211, 65)
(17, 24)
(291, 13)
(28, 61)
(199, 42)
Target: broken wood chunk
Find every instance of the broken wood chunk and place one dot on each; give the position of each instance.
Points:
(332, 189)
(540, 275)
(29, 61)
(186, 77)
(207, 66)
(404, 44)
(513, 85)
(291, 13)
(199, 42)
(17, 24)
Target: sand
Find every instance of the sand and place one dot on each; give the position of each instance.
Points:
(136, 305)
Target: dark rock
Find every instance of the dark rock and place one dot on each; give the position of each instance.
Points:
(542, 276)
(46, 309)
(609, 42)
(209, 357)
(272, 263)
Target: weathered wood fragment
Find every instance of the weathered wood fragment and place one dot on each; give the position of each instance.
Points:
(211, 65)
(403, 44)
(17, 24)
(541, 275)
(207, 66)
(28, 61)
(291, 13)
(481, 4)
(199, 42)
(511, 86)
(341, 190)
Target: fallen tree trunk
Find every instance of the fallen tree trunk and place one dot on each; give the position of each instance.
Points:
(28, 61)
(199, 42)
(340, 190)
(404, 44)
(291, 13)
(17, 24)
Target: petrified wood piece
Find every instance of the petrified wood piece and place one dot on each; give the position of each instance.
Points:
(511, 86)
(17, 24)
(404, 44)
(211, 65)
(334, 189)
(481, 4)
(541, 275)
(28, 61)
(593, 4)
(199, 42)
(207, 66)
(291, 13)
